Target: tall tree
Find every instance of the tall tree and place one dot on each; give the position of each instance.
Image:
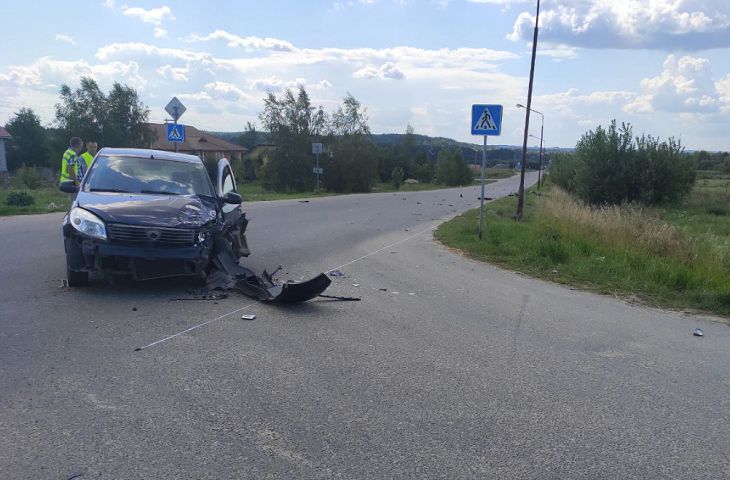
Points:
(126, 119)
(248, 137)
(292, 122)
(29, 144)
(117, 119)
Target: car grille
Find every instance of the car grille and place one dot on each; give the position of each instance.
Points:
(150, 235)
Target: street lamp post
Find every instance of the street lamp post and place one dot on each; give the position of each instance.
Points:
(539, 170)
(542, 125)
(521, 194)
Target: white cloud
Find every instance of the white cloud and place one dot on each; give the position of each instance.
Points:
(387, 70)
(654, 24)
(62, 37)
(685, 85)
(173, 73)
(108, 3)
(136, 49)
(48, 73)
(253, 43)
(160, 32)
(154, 16)
(275, 84)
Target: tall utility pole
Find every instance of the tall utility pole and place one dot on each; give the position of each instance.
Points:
(521, 194)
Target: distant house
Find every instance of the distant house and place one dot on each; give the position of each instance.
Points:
(197, 143)
(4, 135)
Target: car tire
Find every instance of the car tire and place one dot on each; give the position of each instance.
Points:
(77, 279)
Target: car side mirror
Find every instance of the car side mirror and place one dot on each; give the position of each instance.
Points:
(233, 198)
(68, 187)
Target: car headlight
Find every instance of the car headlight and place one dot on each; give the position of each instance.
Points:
(87, 223)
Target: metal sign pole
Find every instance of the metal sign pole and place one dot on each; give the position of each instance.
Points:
(174, 121)
(481, 198)
(318, 172)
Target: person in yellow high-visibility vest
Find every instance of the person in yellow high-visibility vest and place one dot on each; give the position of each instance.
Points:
(88, 156)
(70, 160)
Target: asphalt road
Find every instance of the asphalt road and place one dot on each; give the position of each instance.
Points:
(447, 368)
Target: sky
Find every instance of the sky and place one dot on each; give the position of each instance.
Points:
(661, 65)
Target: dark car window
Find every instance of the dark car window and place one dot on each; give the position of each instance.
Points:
(147, 175)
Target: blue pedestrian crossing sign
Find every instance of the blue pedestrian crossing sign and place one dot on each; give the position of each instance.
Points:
(486, 120)
(175, 133)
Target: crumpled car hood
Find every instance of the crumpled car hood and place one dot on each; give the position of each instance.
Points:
(149, 210)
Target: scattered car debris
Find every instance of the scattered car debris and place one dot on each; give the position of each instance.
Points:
(355, 284)
(64, 283)
(336, 273)
(698, 332)
(341, 299)
(211, 296)
(383, 289)
(485, 198)
(249, 316)
(134, 309)
(303, 201)
(418, 203)
(74, 476)
(227, 274)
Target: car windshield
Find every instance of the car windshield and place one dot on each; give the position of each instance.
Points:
(124, 174)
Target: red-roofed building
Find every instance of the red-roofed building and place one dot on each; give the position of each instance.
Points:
(4, 135)
(199, 143)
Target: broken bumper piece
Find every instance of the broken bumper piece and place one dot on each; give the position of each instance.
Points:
(229, 275)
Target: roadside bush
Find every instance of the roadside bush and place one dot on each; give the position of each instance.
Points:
(396, 178)
(563, 171)
(30, 177)
(613, 167)
(19, 199)
(452, 170)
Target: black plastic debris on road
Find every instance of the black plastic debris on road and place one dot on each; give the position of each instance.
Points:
(336, 273)
(228, 274)
(341, 299)
(211, 296)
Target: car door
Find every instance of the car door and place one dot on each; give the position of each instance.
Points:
(234, 219)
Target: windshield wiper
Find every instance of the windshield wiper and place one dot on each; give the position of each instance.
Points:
(114, 190)
(159, 192)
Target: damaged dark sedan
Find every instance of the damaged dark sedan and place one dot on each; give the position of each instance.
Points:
(149, 214)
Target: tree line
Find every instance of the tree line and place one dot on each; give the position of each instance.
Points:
(116, 118)
(351, 161)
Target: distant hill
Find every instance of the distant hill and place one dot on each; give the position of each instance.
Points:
(471, 152)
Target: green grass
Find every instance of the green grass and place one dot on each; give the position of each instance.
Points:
(47, 199)
(674, 257)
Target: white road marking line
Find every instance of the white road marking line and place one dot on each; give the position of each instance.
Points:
(381, 249)
(193, 328)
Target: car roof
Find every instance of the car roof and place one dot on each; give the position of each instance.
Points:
(149, 153)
